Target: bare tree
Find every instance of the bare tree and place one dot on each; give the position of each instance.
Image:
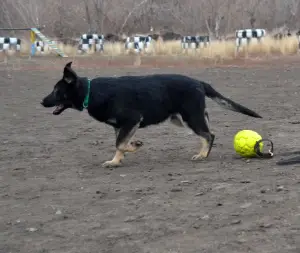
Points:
(251, 10)
(293, 7)
(5, 17)
(88, 15)
(104, 23)
(28, 10)
(215, 12)
(216, 17)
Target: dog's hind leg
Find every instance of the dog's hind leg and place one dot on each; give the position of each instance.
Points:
(176, 120)
(198, 121)
(200, 125)
(207, 140)
(117, 130)
(123, 144)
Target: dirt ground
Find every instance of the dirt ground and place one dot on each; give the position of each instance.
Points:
(56, 198)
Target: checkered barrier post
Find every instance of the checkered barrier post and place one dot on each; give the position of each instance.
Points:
(88, 40)
(8, 43)
(246, 36)
(194, 42)
(40, 46)
(138, 43)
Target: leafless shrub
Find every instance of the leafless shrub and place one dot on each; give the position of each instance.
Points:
(71, 18)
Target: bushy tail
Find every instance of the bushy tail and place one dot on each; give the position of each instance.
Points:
(226, 102)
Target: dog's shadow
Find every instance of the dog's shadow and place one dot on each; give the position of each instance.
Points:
(291, 160)
(283, 161)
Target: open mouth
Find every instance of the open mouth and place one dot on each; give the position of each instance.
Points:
(59, 109)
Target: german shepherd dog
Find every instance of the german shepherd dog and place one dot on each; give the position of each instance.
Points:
(131, 102)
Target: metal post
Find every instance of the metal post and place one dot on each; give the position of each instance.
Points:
(32, 40)
(20, 29)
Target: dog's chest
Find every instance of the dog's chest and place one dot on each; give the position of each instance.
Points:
(99, 115)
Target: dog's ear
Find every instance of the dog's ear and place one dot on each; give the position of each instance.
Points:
(69, 64)
(69, 74)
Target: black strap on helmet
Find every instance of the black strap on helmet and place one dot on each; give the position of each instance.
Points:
(260, 154)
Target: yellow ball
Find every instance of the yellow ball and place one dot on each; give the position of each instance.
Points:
(244, 142)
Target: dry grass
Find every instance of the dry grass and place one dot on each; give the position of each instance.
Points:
(216, 51)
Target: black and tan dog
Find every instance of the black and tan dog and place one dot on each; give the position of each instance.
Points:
(131, 102)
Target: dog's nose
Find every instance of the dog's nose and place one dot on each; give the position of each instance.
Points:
(42, 102)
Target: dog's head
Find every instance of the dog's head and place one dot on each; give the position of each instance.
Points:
(64, 93)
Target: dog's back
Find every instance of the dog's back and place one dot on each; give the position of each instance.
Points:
(155, 97)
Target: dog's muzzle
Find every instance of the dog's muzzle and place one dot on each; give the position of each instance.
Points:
(59, 107)
(48, 102)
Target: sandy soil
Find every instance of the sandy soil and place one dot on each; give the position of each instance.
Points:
(56, 198)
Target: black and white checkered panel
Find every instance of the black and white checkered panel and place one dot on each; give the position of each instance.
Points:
(246, 36)
(8, 43)
(138, 43)
(87, 40)
(194, 41)
(40, 46)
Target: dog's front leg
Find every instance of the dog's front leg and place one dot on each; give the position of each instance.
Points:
(123, 143)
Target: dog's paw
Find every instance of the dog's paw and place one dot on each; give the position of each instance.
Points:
(111, 164)
(198, 157)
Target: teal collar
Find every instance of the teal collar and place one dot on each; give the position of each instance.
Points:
(85, 103)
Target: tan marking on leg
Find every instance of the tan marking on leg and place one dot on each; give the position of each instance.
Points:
(203, 151)
(206, 118)
(116, 161)
(124, 147)
(128, 146)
